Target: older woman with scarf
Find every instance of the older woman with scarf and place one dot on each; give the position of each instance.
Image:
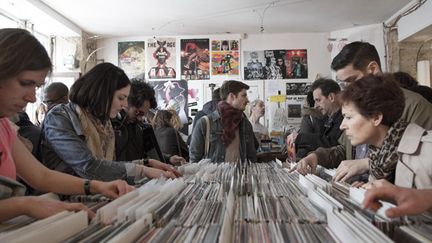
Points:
(231, 136)
(78, 137)
(399, 152)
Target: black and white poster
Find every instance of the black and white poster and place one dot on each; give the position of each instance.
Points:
(254, 62)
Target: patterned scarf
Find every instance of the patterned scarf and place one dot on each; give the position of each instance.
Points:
(382, 161)
(99, 137)
(230, 118)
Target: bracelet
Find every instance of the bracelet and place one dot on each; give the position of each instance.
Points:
(87, 187)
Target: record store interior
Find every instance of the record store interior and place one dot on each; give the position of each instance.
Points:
(215, 121)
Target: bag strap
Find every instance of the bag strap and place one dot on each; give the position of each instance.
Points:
(207, 137)
(178, 143)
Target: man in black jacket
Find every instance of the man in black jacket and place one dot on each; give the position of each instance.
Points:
(325, 93)
(135, 139)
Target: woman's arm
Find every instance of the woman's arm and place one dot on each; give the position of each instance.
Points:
(46, 180)
(36, 207)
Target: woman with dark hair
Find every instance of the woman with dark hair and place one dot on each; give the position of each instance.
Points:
(166, 124)
(398, 152)
(78, 137)
(24, 64)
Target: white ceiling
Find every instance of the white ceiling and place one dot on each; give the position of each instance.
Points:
(195, 17)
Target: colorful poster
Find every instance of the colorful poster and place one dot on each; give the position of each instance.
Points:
(195, 59)
(296, 63)
(131, 57)
(225, 61)
(254, 67)
(173, 95)
(161, 58)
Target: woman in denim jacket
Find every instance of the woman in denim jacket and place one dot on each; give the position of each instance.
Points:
(78, 137)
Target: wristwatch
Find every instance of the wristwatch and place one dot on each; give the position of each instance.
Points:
(87, 187)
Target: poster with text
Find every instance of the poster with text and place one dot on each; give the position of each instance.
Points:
(297, 63)
(172, 94)
(225, 61)
(195, 59)
(131, 57)
(161, 58)
(294, 106)
(254, 62)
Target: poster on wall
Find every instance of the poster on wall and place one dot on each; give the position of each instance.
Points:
(297, 88)
(195, 59)
(173, 94)
(296, 63)
(294, 106)
(161, 58)
(131, 57)
(225, 57)
(275, 67)
(254, 65)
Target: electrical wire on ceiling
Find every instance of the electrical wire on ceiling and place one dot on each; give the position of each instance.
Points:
(230, 11)
(262, 15)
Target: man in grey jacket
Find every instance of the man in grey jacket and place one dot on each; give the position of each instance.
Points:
(231, 136)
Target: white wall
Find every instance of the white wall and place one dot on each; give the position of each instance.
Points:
(415, 22)
(315, 43)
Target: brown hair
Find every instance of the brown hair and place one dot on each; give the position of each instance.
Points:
(21, 51)
(232, 86)
(162, 118)
(374, 94)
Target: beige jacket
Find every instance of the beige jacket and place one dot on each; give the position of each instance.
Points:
(414, 168)
(417, 110)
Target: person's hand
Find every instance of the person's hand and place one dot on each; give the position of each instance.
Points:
(156, 173)
(112, 189)
(166, 167)
(40, 207)
(307, 165)
(358, 184)
(177, 160)
(291, 138)
(408, 201)
(377, 183)
(349, 168)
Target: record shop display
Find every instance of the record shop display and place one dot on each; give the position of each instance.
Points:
(226, 202)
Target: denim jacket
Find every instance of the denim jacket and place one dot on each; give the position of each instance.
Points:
(217, 148)
(64, 149)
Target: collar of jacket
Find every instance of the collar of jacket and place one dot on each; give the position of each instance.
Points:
(411, 139)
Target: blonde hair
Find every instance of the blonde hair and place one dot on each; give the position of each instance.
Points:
(253, 104)
(41, 109)
(166, 118)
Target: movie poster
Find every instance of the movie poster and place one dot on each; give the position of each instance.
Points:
(195, 59)
(173, 95)
(275, 67)
(296, 63)
(161, 58)
(254, 62)
(131, 57)
(225, 59)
